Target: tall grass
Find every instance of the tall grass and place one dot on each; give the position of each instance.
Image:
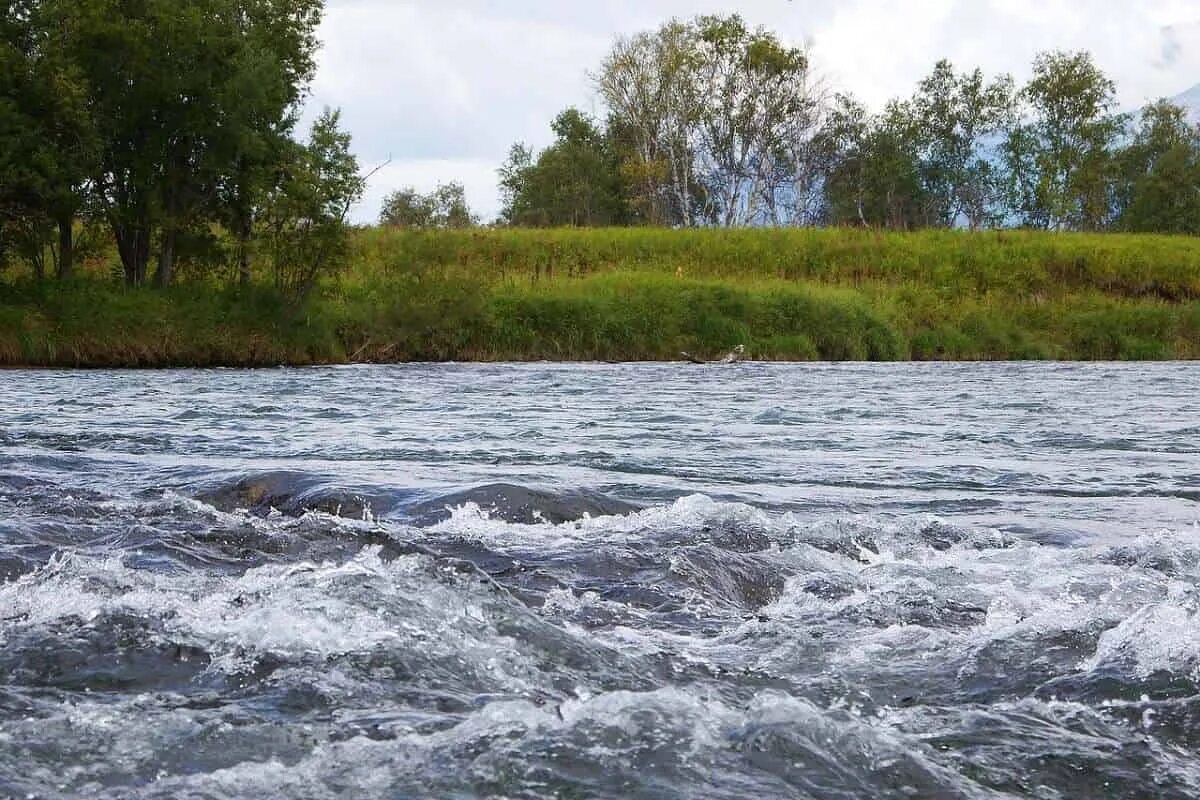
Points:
(1018, 263)
(634, 294)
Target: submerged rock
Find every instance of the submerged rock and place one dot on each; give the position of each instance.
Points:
(523, 506)
(295, 493)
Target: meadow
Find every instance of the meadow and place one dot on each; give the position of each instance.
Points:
(641, 294)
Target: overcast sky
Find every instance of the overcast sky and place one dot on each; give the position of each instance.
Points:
(444, 87)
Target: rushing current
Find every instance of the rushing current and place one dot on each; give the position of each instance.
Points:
(636, 581)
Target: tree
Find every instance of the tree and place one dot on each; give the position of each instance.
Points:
(875, 175)
(444, 207)
(752, 90)
(408, 208)
(711, 118)
(304, 219)
(923, 162)
(646, 83)
(1060, 160)
(21, 220)
(49, 144)
(802, 168)
(576, 181)
(958, 117)
(1160, 173)
(187, 99)
(514, 176)
(842, 144)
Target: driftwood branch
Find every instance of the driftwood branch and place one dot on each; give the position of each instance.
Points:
(735, 356)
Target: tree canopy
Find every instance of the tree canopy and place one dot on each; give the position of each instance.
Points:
(173, 126)
(711, 122)
(444, 207)
(160, 118)
(575, 181)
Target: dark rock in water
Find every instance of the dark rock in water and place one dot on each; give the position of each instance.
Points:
(280, 490)
(831, 587)
(1171, 563)
(294, 493)
(1112, 683)
(12, 568)
(738, 578)
(917, 608)
(1175, 719)
(110, 653)
(19, 482)
(853, 546)
(739, 537)
(522, 506)
(943, 536)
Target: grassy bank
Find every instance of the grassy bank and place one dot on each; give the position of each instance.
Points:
(648, 294)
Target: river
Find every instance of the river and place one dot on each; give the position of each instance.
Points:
(601, 581)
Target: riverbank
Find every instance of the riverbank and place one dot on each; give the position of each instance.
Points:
(636, 294)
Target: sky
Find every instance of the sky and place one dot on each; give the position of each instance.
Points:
(439, 90)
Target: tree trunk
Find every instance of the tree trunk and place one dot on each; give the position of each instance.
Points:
(244, 228)
(242, 222)
(133, 245)
(166, 260)
(244, 263)
(66, 247)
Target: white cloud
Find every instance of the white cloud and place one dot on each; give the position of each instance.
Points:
(444, 87)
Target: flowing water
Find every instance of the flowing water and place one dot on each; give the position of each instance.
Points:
(645, 581)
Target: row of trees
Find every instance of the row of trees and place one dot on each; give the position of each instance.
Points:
(171, 124)
(711, 122)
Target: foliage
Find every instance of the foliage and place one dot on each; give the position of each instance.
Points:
(709, 114)
(1159, 188)
(163, 118)
(645, 84)
(921, 163)
(576, 181)
(712, 122)
(173, 124)
(875, 171)
(305, 216)
(444, 207)
(49, 145)
(617, 294)
(955, 117)
(1061, 160)
(752, 96)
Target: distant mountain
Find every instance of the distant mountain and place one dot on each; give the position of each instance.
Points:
(1191, 101)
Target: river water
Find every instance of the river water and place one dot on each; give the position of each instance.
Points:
(642, 581)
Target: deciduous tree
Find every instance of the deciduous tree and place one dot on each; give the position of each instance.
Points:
(183, 96)
(48, 144)
(751, 93)
(960, 118)
(648, 84)
(1160, 174)
(445, 207)
(1060, 159)
(304, 219)
(576, 181)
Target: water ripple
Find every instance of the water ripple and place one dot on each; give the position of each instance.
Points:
(618, 581)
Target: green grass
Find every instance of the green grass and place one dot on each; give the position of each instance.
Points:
(633, 294)
(1016, 263)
